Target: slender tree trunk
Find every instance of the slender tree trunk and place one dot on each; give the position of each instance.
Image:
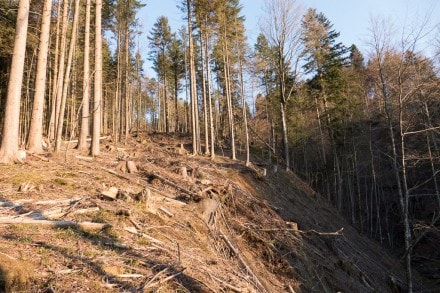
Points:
(98, 81)
(118, 92)
(229, 101)
(51, 127)
(61, 67)
(208, 83)
(192, 81)
(204, 94)
(36, 127)
(9, 146)
(127, 83)
(245, 123)
(85, 124)
(59, 128)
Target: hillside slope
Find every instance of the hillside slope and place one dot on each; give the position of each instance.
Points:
(182, 223)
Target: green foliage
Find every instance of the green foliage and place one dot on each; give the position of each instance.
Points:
(160, 39)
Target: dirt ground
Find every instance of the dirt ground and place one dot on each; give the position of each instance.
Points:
(179, 223)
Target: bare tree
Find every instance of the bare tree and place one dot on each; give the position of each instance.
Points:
(282, 28)
(397, 63)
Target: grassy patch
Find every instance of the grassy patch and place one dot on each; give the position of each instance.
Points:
(33, 177)
(67, 183)
(14, 274)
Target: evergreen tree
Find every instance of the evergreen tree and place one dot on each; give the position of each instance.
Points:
(160, 42)
(325, 58)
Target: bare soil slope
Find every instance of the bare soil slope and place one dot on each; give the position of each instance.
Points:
(179, 224)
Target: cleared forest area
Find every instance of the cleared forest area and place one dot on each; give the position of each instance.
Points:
(181, 223)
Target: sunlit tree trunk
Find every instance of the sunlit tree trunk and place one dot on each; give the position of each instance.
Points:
(60, 80)
(51, 126)
(85, 124)
(96, 132)
(9, 151)
(34, 143)
(66, 80)
(192, 82)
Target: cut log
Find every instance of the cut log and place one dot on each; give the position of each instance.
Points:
(183, 172)
(131, 167)
(181, 150)
(88, 159)
(167, 212)
(209, 208)
(111, 193)
(121, 166)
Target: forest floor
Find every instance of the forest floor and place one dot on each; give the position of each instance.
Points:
(181, 223)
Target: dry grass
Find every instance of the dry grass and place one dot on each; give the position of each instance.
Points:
(15, 274)
(177, 251)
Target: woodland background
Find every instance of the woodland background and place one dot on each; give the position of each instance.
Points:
(361, 130)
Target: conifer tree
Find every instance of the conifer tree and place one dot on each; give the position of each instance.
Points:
(160, 40)
(325, 59)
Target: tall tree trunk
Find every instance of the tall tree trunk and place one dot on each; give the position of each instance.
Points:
(60, 121)
(127, 83)
(98, 81)
(51, 126)
(85, 124)
(9, 147)
(60, 81)
(36, 128)
(208, 84)
(243, 100)
(204, 94)
(192, 82)
(229, 100)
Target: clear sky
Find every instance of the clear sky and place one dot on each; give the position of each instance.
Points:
(350, 17)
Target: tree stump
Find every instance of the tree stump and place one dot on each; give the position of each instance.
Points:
(131, 167)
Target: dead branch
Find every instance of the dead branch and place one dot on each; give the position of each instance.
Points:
(84, 211)
(124, 177)
(89, 139)
(164, 280)
(88, 159)
(59, 201)
(38, 156)
(241, 259)
(229, 286)
(136, 224)
(129, 276)
(55, 224)
(290, 289)
(167, 212)
(180, 188)
(155, 277)
(337, 233)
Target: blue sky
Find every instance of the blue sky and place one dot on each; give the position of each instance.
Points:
(350, 17)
